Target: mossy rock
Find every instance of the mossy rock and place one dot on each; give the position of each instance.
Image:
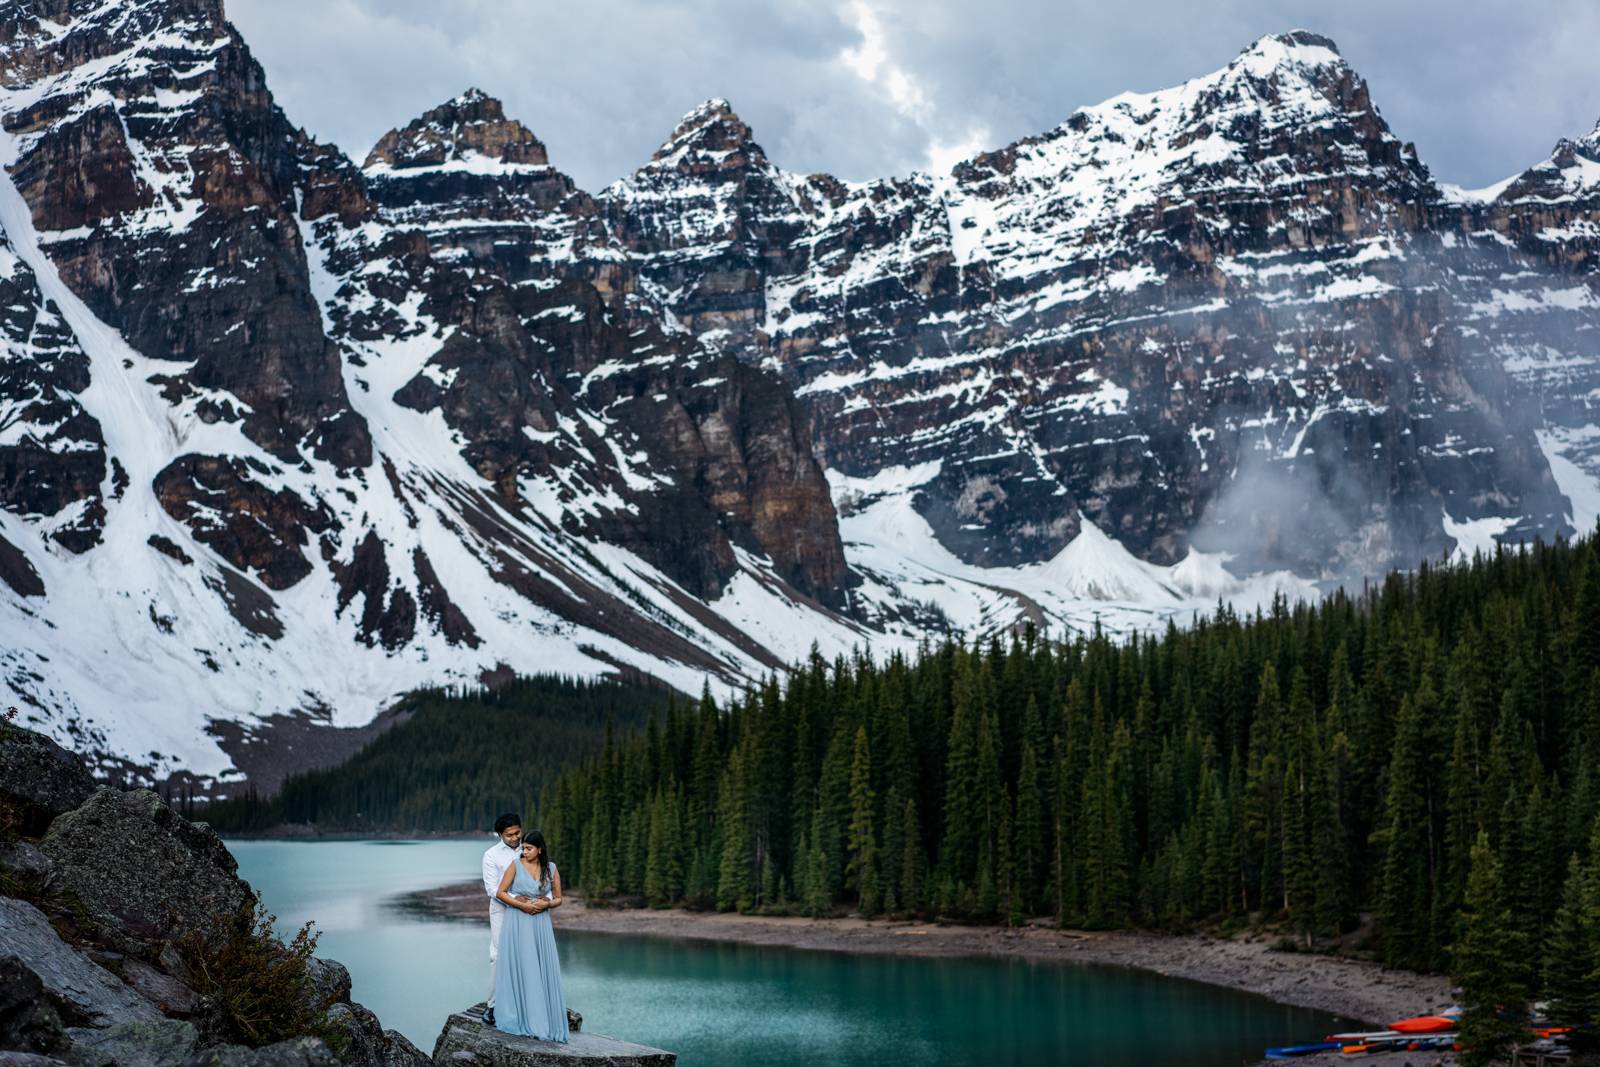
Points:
(39, 780)
(139, 873)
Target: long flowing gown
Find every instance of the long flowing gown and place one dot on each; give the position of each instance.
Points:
(527, 984)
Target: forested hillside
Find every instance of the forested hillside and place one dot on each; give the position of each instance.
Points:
(458, 760)
(1304, 765)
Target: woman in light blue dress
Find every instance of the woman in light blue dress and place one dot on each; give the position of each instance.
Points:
(527, 983)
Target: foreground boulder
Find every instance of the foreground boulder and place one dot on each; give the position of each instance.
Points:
(38, 779)
(166, 1043)
(24, 870)
(28, 1021)
(364, 1042)
(140, 874)
(467, 1041)
(78, 988)
(301, 1052)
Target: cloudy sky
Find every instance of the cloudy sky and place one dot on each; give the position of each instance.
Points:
(868, 88)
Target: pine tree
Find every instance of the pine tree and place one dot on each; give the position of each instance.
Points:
(831, 832)
(657, 891)
(818, 895)
(1299, 862)
(1160, 781)
(1486, 965)
(1006, 865)
(1405, 906)
(1264, 791)
(892, 847)
(734, 888)
(962, 825)
(863, 867)
(911, 898)
(1574, 945)
(1030, 834)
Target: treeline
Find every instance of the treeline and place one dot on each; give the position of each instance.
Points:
(459, 758)
(1300, 766)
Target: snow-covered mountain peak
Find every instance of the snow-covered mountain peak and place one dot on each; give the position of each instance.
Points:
(1289, 79)
(712, 137)
(1589, 143)
(1571, 174)
(470, 132)
(1296, 49)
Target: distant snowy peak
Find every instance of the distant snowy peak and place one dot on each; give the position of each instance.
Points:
(1570, 175)
(1579, 161)
(470, 132)
(480, 185)
(1285, 134)
(710, 138)
(1270, 101)
(1294, 50)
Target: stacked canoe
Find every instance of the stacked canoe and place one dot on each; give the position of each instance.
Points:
(1418, 1033)
(1414, 1034)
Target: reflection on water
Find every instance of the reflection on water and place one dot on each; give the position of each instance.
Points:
(727, 1005)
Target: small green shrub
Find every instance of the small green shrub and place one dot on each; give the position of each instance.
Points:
(261, 986)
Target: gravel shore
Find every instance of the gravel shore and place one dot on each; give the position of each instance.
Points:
(1351, 988)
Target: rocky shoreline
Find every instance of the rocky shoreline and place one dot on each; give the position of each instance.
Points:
(1356, 989)
(128, 939)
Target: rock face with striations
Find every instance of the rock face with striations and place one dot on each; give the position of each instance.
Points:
(1246, 282)
(420, 412)
(726, 447)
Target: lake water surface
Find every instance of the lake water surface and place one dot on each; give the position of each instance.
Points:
(737, 1005)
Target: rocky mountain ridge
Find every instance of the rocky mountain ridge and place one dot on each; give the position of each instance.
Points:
(283, 436)
(1110, 321)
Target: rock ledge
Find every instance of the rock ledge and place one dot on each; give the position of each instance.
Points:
(465, 1040)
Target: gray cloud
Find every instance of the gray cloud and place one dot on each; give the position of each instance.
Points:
(1483, 89)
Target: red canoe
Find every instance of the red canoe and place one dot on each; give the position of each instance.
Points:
(1425, 1024)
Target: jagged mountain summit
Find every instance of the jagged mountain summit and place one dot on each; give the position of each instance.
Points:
(285, 436)
(272, 453)
(1113, 320)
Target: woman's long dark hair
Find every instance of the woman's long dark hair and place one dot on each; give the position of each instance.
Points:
(536, 839)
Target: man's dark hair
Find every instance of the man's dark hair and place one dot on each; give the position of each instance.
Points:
(506, 822)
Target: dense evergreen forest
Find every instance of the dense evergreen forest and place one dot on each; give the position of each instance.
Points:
(456, 761)
(1301, 766)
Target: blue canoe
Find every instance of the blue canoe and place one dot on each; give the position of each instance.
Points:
(1289, 1052)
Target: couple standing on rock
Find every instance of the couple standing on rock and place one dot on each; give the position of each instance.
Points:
(524, 972)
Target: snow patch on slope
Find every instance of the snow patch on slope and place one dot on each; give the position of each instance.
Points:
(1475, 537)
(1579, 486)
(1093, 581)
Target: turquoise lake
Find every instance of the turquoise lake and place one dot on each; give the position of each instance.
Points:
(742, 1006)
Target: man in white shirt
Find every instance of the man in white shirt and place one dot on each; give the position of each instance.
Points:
(495, 861)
